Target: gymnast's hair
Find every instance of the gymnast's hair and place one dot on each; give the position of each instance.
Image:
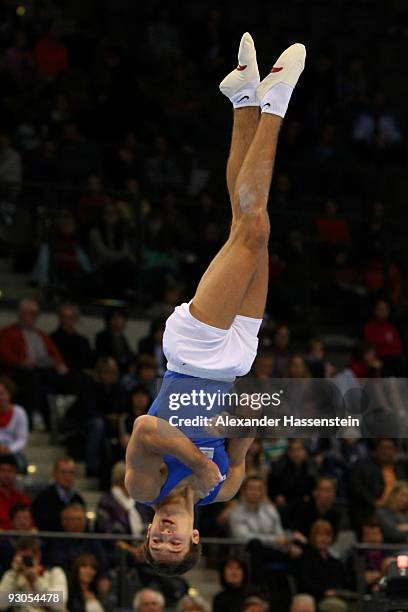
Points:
(175, 568)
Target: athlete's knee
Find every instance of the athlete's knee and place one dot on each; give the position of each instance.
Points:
(254, 230)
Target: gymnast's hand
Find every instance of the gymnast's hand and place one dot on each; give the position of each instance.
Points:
(206, 477)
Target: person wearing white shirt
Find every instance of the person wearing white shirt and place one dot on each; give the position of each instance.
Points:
(13, 424)
(28, 575)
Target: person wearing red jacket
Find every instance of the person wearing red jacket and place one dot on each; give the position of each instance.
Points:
(31, 358)
(385, 338)
(9, 495)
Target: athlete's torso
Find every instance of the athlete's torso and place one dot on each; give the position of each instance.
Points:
(214, 447)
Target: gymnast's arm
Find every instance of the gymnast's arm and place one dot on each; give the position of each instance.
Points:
(151, 439)
(237, 451)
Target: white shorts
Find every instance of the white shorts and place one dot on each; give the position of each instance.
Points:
(197, 349)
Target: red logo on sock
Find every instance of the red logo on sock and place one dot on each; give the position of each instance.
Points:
(239, 67)
(275, 69)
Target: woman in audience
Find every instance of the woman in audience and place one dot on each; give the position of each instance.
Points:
(318, 572)
(117, 512)
(140, 401)
(233, 578)
(84, 595)
(393, 518)
(13, 425)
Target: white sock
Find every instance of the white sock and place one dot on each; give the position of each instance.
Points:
(246, 97)
(276, 100)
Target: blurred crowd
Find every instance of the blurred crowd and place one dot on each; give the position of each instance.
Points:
(304, 504)
(118, 112)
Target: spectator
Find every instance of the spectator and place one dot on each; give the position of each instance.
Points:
(192, 603)
(153, 344)
(303, 603)
(145, 373)
(255, 461)
(117, 512)
(332, 229)
(319, 367)
(27, 574)
(111, 254)
(48, 504)
(112, 341)
(322, 505)
(291, 480)
(393, 517)
(280, 350)
(263, 366)
(84, 595)
(376, 131)
(373, 478)
(19, 59)
(256, 520)
(365, 363)
(233, 578)
(385, 338)
(63, 552)
(140, 401)
(372, 559)
(320, 574)
(9, 495)
(21, 519)
(91, 204)
(296, 367)
(10, 166)
(50, 54)
(70, 261)
(74, 348)
(104, 412)
(148, 600)
(13, 424)
(253, 603)
(31, 357)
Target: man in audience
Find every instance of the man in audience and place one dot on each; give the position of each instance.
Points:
(303, 603)
(63, 551)
(31, 357)
(9, 495)
(256, 520)
(21, 519)
(27, 574)
(74, 348)
(148, 600)
(49, 503)
(373, 478)
(322, 505)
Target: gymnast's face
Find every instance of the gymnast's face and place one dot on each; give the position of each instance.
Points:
(170, 536)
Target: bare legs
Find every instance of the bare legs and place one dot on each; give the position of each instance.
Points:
(236, 280)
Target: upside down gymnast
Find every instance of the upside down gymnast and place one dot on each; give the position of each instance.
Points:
(214, 338)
